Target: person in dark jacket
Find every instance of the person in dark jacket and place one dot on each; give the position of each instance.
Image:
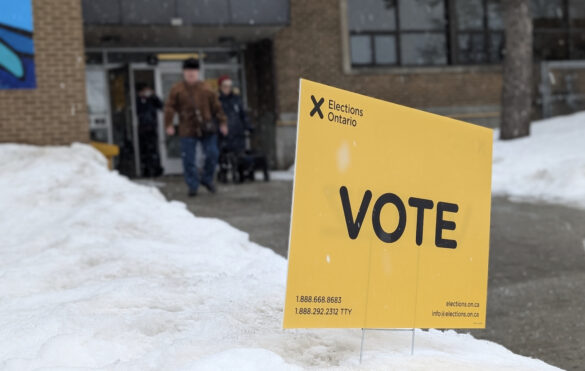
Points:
(238, 124)
(147, 107)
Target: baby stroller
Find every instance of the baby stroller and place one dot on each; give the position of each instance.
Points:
(238, 164)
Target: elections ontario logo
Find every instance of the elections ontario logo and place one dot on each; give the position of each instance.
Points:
(17, 68)
(339, 113)
(317, 106)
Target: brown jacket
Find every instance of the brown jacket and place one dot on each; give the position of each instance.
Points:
(195, 105)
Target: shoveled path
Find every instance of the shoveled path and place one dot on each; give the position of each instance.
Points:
(536, 295)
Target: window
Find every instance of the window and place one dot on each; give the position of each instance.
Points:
(550, 36)
(577, 28)
(559, 29)
(397, 32)
(423, 32)
(457, 32)
(478, 32)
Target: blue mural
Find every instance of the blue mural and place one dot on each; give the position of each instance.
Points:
(17, 64)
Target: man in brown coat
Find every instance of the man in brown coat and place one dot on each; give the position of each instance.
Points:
(200, 117)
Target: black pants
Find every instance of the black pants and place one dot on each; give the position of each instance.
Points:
(149, 156)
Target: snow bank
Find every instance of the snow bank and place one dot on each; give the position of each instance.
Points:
(98, 272)
(288, 174)
(548, 165)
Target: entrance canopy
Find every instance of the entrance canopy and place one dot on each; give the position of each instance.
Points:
(160, 23)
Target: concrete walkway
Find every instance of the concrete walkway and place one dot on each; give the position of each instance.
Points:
(536, 295)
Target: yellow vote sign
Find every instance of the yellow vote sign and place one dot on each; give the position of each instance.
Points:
(391, 216)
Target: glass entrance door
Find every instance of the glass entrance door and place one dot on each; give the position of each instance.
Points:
(167, 75)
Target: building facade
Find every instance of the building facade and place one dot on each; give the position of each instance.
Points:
(132, 42)
(443, 56)
(324, 43)
(54, 112)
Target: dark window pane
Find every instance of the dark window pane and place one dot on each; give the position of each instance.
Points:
(385, 49)
(577, 13)
(578, 41)
(469, 14)
(361, 50)
(495, 18)
(550, 45)
(422, 14)
(371, 15)
(496, 47)
(423, 49)
(472, 48)
(547, 13)
(94, 58)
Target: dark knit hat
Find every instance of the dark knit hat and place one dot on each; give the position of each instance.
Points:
(191, 64)
(141, 86)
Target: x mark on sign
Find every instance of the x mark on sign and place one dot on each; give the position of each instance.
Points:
(317, 106)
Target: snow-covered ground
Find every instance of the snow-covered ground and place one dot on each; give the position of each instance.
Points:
(549, 165)
(288, 174)
(102, 273)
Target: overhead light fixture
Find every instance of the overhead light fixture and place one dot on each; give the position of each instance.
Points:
(178, 56)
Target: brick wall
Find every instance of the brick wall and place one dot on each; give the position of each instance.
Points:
(312, 47)
(55, 112)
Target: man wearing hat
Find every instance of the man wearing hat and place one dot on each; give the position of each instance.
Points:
(200, 119)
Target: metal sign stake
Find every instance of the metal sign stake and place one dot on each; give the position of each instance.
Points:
(412, 343)
(386, 329)
(362, 346)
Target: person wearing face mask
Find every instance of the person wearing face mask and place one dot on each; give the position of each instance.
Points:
(147, 106)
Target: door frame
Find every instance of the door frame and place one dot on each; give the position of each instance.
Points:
(128, 115)
(170, 165)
